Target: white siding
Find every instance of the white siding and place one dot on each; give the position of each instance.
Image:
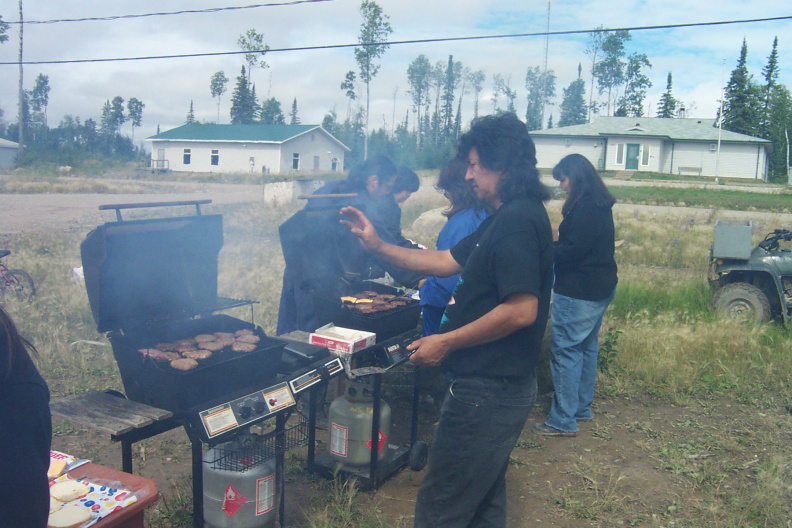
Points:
(7, 155)
(234, 157)
(655, 155)
(737, 160)
(313, 143)
(550, 150)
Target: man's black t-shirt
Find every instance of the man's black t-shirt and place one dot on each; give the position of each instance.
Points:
(511, 252)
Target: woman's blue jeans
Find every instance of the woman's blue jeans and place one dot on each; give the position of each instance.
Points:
(480, 422)
(574, 348)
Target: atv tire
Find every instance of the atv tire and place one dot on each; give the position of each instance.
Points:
(741, 301)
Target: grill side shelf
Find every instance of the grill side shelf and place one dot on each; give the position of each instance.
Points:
(114, 417)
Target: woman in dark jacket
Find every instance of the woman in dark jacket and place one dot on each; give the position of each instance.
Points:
(25, 433)
(585, 283)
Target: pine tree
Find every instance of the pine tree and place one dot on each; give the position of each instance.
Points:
(294, 119)
(667, 106)
(190, 120)
(770, 74)
(573, 105)
(741, 104)
(243, 105)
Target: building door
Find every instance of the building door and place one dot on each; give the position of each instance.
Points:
(631, 163)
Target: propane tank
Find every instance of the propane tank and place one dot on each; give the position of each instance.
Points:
(350, 418)
(238, 490)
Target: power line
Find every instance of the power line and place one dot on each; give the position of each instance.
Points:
(400, 42)
(168, 13)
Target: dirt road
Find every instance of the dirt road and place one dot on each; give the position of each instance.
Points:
(66, 212)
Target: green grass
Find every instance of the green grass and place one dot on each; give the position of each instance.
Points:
(704, 198)
(659, 338)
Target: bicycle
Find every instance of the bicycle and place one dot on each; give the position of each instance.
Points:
(15, 281)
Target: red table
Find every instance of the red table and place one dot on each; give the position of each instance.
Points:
(145, 490)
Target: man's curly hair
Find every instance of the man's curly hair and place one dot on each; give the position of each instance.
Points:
(503, 145)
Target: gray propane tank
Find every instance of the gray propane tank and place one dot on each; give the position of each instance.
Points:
(238, 488)
(350, 418)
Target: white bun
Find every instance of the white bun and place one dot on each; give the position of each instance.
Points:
(68, 490)
(71, 516)
(55, 505)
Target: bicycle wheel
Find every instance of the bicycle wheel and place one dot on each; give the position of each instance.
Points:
(20, 285)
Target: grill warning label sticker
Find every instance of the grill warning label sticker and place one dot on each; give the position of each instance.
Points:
(265, 495)
(219, 419)
(339, 436)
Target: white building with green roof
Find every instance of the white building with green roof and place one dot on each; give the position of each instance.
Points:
(671, 146)
(276, 149)
(8, 152)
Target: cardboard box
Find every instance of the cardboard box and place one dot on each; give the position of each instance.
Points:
(342, 340)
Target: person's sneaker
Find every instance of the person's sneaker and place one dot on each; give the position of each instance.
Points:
(544, 429)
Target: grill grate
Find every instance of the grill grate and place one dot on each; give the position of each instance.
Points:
(266, 447)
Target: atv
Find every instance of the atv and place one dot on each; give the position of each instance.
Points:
(752, 285)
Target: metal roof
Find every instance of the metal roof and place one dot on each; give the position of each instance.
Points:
(263, 133)
(8, 144)
(689, 129)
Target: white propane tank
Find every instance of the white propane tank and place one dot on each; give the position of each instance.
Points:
(238, 492)
(350, 418)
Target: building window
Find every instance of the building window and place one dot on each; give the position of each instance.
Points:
(296, 161)
(186, 157)
(316, 163)
(215, 157)
(620, 154)
(645, 156)
(334, 165)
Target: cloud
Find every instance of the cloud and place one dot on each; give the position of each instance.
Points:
(694, 55)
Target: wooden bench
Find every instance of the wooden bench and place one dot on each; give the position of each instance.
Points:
(125, 420)
(697, 170)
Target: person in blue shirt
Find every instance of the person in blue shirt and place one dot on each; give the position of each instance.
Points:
(465, 214)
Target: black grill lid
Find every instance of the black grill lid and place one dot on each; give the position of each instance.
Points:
(151, 271)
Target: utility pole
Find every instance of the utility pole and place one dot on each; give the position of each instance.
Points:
(20, 120)
(720, 119)
(544, 76)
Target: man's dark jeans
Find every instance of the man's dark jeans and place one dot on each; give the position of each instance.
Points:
(480, 422)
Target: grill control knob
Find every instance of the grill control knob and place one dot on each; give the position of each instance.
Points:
(245, 412)
(260, 407)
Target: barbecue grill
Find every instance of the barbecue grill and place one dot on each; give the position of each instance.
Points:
(154, 281)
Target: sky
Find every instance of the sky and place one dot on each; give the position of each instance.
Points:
(698, 57)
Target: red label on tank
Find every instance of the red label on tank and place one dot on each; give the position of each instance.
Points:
(380, 442)
(233, 500)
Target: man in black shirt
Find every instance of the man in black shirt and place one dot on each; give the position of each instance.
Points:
(490, 337)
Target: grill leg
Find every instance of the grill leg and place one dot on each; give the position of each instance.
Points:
(126, 455)
(197, 477)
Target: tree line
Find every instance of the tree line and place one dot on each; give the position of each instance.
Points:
(425, 134)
